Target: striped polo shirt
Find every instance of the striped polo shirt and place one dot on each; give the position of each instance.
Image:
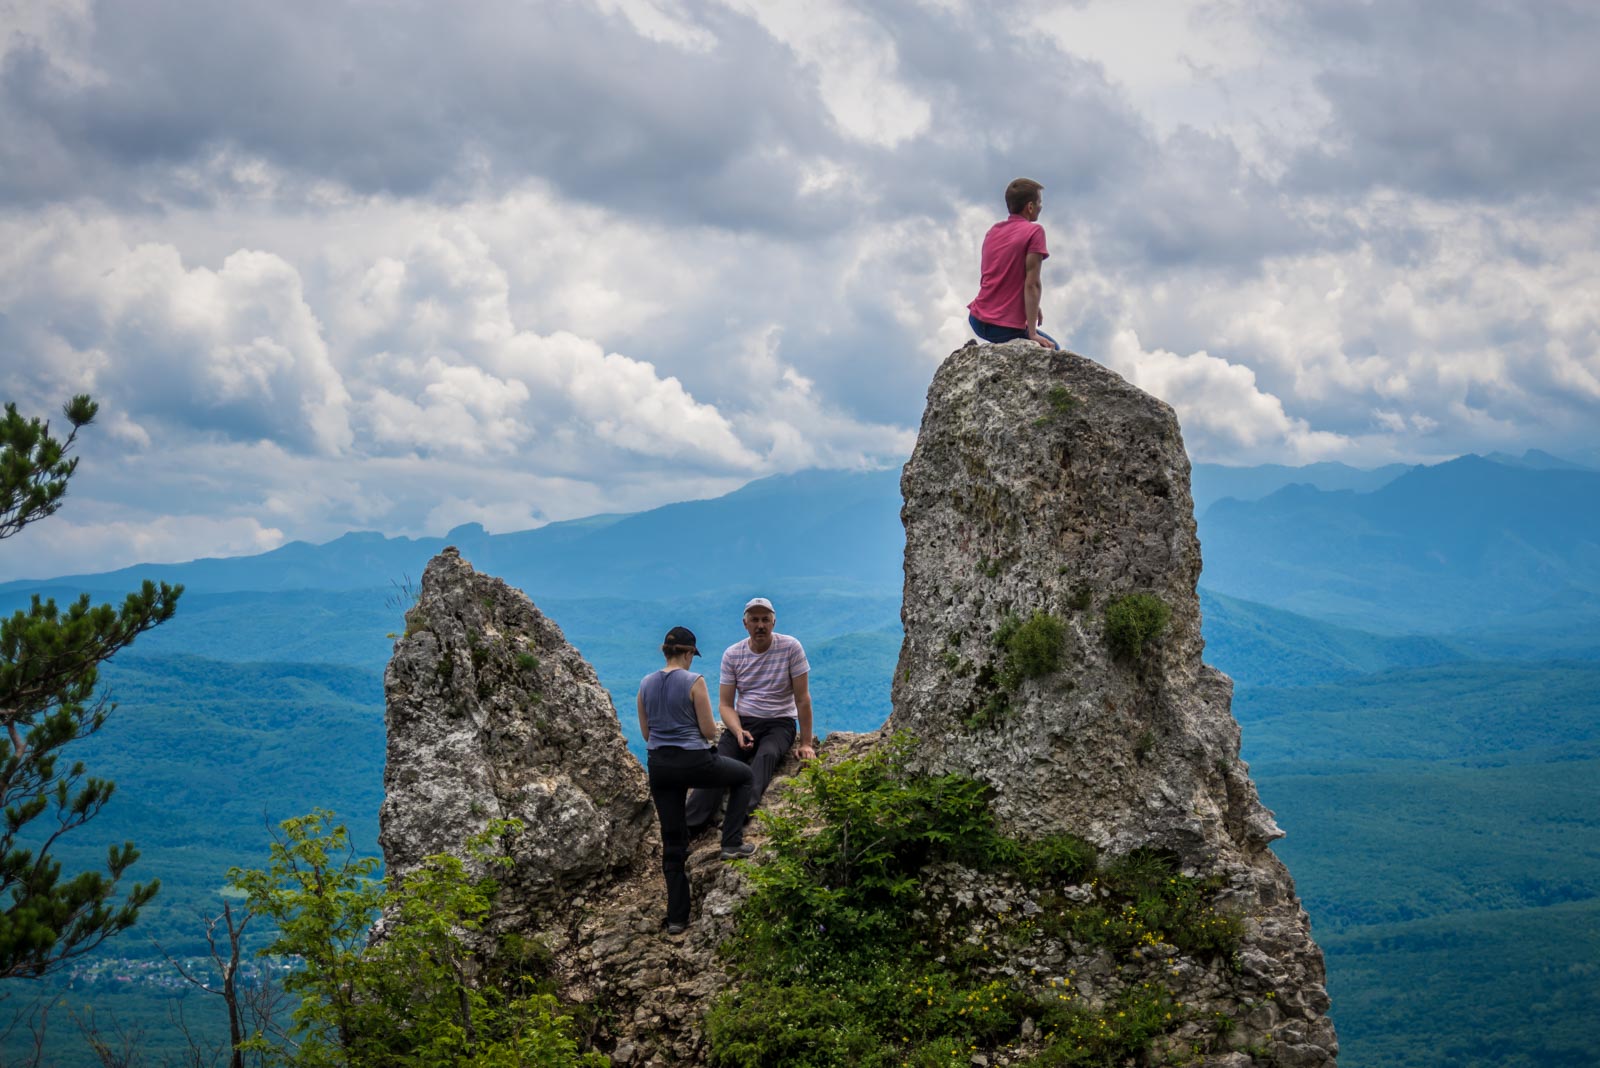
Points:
(765, 681)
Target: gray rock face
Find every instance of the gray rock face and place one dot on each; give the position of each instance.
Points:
(1049, 484)
(492, 714)
(1044, 483)
(1040, 484)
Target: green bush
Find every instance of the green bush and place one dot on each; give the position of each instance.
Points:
(1144, 745)
(1061, 857)
(898, 1012)
(1029, 649)
(1134, 621)
(1116, 1034)
(1033, 648)
(846, 968)
(1061, 401)
(405, 999)
(824, 942)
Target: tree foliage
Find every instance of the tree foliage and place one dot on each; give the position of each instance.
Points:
(424, 991)
(33, 466)
(49, 671)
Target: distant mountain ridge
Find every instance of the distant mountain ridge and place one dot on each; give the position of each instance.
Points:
(1469, 545)
(1539, 460)
(1209, 483)
(770, 528)
(1440, 549)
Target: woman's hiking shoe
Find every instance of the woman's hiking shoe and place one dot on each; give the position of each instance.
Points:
(675, 929)
(739, 852)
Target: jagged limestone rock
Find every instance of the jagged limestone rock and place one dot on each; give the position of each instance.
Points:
(1045, 483)
(492, 714)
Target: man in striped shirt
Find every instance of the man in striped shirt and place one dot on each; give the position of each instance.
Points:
(764, 701)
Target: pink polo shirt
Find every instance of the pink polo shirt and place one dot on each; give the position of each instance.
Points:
(1005, 255)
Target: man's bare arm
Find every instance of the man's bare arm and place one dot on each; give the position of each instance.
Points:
(805, 748)
(730, 718)
(1032, 291)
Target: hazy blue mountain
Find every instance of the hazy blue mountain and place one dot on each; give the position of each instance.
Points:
(1209, 483)
(843, 526)
(1567, 627)
(1263, 646)
(1538, 460)
(1589, 457)
(1463, 543)
(1466, 545)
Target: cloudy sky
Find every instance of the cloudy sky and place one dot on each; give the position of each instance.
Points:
(400, 265)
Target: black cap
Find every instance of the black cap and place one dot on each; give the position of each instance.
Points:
(681, 636)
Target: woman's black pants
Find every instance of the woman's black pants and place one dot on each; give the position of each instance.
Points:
(673, 772)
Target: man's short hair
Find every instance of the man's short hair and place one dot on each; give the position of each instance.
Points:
(1020, 193)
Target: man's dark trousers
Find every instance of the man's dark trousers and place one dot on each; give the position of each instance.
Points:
(774, 737)
(672, 772)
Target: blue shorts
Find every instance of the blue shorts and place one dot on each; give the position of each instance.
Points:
(997, 335)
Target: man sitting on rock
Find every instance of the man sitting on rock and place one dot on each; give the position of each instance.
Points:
(765, 694)
(1007, 305)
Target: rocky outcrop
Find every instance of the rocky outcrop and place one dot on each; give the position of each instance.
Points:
(1043, 491)
(1046, 484)
(1052, 485)
(492, 714)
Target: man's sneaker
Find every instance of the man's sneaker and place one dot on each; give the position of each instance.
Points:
(677, 928)
(739, 852)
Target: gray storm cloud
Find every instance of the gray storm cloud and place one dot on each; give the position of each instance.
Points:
(351, 265)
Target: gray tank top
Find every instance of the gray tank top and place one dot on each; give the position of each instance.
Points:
(669, 710)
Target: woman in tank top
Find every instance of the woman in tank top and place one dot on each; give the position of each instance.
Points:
(679, 734)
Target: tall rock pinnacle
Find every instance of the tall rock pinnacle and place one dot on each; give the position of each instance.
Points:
(1045, 488)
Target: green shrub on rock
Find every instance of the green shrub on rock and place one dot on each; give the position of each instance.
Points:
(1134, 621)
(1032, 647)
(1029, 649)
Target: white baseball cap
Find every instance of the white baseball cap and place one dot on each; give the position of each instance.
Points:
(758, 602)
